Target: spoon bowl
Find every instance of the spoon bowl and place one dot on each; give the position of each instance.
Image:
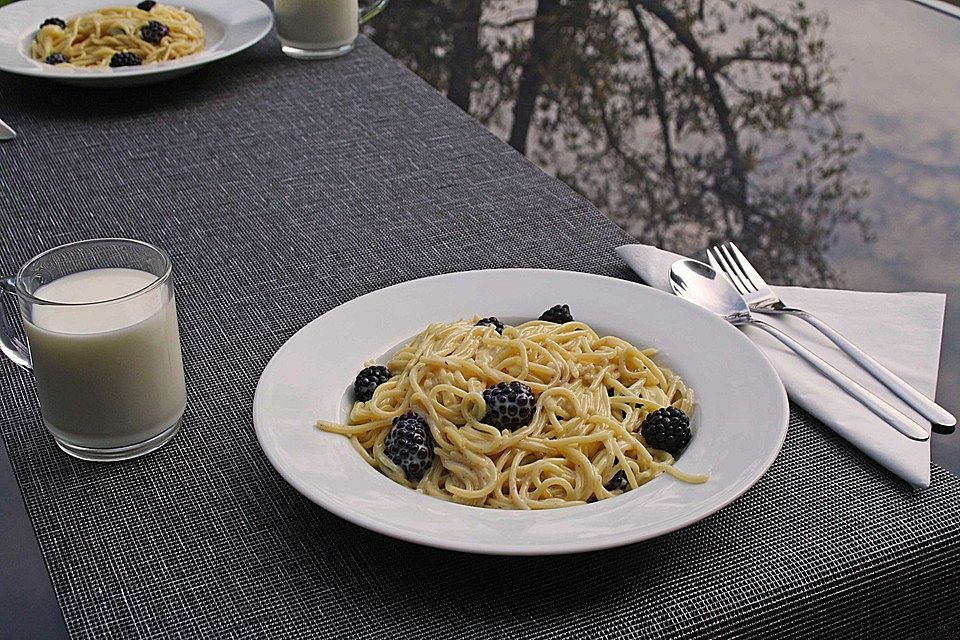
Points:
(699, 283)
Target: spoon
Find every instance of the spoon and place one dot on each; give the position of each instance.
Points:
(700, 284)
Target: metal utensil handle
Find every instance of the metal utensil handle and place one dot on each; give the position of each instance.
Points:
(372, 10)
(924, 405)
(10, 344)
(889, 414)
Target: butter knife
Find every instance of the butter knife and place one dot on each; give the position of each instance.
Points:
(6, 133)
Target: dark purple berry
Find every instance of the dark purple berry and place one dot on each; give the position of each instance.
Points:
(509, 405)
(558, 313)
(618, 482)
(492, 322)
(153, 32)
(125, 59)
(55, 58)
(667, 429)
(146, 5)
(369, 379)
(409, 445)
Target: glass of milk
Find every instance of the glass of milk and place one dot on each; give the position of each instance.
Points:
(103, 344)
(319, 29)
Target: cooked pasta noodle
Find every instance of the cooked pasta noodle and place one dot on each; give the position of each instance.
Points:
(592, 395)
(92, 39)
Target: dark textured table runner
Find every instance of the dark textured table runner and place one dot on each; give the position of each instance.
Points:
(282, 189)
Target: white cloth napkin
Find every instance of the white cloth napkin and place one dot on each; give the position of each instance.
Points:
(900, 330)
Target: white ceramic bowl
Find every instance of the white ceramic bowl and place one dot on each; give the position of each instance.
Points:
(230, 26)
(739, 423)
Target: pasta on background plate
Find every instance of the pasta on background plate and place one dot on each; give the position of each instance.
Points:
(119, 37)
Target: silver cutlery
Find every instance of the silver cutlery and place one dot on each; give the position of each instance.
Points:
(730, 261)
(700, 284)
(6, 131)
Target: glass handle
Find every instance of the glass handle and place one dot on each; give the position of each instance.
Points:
(10, 344)
(372, 10)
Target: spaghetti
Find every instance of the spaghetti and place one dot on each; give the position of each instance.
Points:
(593, 393)
(119, 36)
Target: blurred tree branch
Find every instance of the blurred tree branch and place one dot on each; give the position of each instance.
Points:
(465, 51)
(544, 34)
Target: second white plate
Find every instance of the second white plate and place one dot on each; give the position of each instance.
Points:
(230, 27)
(739, 423)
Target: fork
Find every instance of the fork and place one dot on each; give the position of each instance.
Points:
(729, 260)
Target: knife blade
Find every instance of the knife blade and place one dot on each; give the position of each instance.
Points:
(6, 132)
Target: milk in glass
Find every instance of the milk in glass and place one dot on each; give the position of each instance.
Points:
(317, 24)
(110, 374)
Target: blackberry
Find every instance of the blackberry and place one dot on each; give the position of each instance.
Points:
(55, 58)
(125, 59)
(146, 5)
(368, 380)
(667, 429)
(153, 32)
(558, 313)
(57, 22)
(409, 445)
(618, 482)
(491, 322)
(509, 405)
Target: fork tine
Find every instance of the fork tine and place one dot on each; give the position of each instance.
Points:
(731, 274)
(750, 288)
(755, 278)
(716, 267)
(719, 268)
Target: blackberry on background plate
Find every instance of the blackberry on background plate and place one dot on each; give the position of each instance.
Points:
(491, 322)
(146, 5)
(559, 313)
(409, 445)
(125, 59)
(55, 58)
(509, 405)
(57, 22)
(667, 429)
(153, 32)
(369, 379)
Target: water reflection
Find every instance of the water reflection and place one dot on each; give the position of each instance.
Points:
(688, 122)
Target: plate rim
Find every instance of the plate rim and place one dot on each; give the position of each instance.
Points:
(174, 66)
(480, 548)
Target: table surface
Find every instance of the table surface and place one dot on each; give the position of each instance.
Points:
(281, 190)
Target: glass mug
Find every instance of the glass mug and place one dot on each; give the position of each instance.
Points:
(318, 29)
(104, 347)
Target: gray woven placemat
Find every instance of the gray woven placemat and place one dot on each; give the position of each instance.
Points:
(282, 189)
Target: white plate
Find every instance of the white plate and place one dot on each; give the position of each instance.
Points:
(739, 423)
(230, 26)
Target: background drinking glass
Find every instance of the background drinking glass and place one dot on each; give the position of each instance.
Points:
(104, 346)
(318, 29)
